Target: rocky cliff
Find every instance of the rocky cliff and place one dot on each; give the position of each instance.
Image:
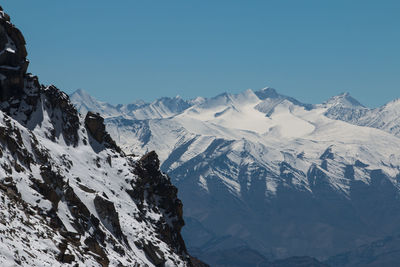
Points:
(68, 194)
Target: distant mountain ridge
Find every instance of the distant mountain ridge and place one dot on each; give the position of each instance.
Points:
(160, 108)
(170, 106)
(264, 171)
(341, 107)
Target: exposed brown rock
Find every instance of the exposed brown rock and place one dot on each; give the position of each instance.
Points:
(62, 256)
(108, 215)
(93, 246)
(94, 123)
(10, 137)
(58, 100)
(160, 195)
(155, 255)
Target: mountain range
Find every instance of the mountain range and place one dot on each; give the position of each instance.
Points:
(69, 195)
(265, 180)
(263, 172)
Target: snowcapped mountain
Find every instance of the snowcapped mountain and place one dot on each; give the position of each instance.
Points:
(161, 108)
(88, 103)
(344, 100)
(344, 107)
(68, 195)
(350, 110)
(267, 172)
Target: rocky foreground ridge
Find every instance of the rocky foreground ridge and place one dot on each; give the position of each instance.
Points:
(68, 194)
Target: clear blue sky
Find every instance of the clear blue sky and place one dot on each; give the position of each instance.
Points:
(124, 50)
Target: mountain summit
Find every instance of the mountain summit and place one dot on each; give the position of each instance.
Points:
(343, 100)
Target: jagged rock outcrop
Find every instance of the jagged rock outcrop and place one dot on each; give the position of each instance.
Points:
(162, 196)
(94, 123)
(68, 194)
(13, 62)
(108, 215)
(21, 95)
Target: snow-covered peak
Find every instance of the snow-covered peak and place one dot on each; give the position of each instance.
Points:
(172, 104)
(196, 101)
(271, 98)
(344, 100)
(161, 108)
(246, 96)
(267, 92)
(84, 102)
(82, 95)
(344, 107)
(225, 100)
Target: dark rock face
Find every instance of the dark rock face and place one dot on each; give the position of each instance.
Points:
(150, 163)
(11, 138)
(13, 62)
(21, 94)
(63, 111)
(162, 196)
(29, 106)
(108, 215)
(94, 123)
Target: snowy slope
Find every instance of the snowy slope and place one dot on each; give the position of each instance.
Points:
(80, 175)
(68, 195)
(262, 170)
